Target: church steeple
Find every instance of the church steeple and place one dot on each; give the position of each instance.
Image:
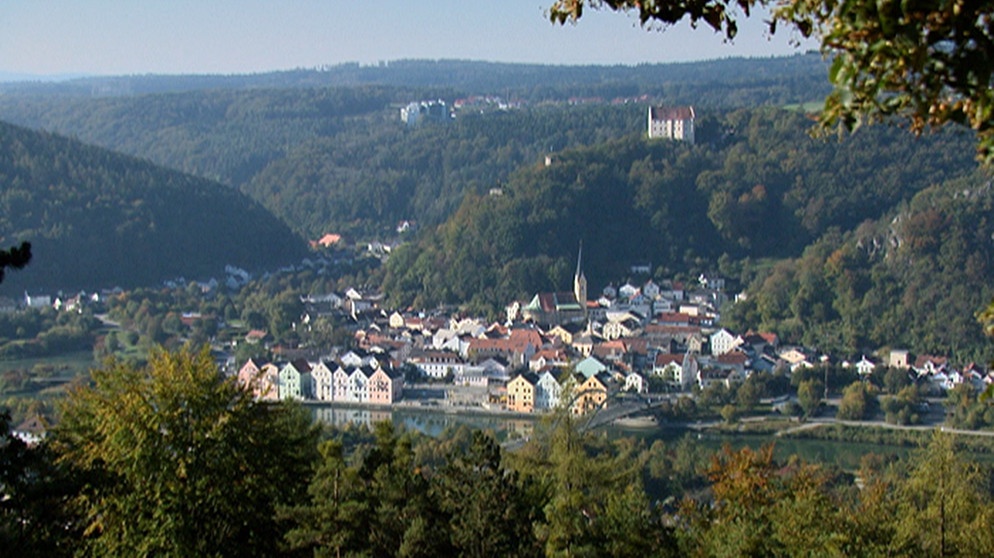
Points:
(580, 282)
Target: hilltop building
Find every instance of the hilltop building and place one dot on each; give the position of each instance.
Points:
(676, 123)
(416, 113)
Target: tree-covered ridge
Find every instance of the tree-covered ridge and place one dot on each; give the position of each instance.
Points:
(374, 177)
(755, 186)
(798, 78)
(330, 159)
(97, 218)
(338, 158)
(916, 277)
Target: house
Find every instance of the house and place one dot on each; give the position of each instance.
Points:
(651, 290)
(757, 343)
(415, 113)
(295, 380)
(865, 367)
(667, 365)
(516, 348)
(940, 382)
(590, 393)
(765, 363)
(356, 358)
(32, 431)
(495, 368)
(548, 391)
(396, 320)
(627, 291)
(385, 386)
(675, 123)
(521, 393)
(37, 301)
(625, 325)
(256, 336)
(357, 384)
(796, 357)
(555, 358)
(566, 332)
(445, 339)
(928, 365)
(610, 351)
(322, 378)
(708, 377)
(722, 341)
(325, 301)
(679, 370)
(899, 358)
(262, 381)
(584, 344)
(734, 360)
(340, 385)
(438, 364)
(327, 241)
(636, 383)
(472, 376)
(589, 366)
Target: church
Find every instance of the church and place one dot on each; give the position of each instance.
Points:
(560, 308)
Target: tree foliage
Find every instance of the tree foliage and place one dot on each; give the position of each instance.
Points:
(15, 257)
(90, 210)
(180, 461)
(37, 518)
(762, 190)
(857, 402)
(926, 63)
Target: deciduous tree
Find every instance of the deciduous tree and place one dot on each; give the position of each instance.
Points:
(928, 63)
(181, 461)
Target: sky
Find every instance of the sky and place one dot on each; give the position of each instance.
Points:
(114, 37)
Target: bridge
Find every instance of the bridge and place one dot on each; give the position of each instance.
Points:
(617, 406)
(620, 405)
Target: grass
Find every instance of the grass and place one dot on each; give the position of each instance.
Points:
(75, 363)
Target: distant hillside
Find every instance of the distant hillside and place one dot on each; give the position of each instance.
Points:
(755, 187)
(802, 73)
(914, 278)
(326, 151)
(99, 219)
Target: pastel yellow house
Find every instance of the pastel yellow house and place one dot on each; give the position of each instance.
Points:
(521, 393)
(590, 393)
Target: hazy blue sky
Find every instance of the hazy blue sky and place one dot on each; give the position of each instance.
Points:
(45, 37)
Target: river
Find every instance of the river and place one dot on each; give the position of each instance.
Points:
(433, 422)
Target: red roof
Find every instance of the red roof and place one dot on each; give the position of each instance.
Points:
(671, 113)
(935, 360)
(662, 359)
(733, 358)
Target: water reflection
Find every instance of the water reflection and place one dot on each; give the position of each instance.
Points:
(433, 422)
(430, 422)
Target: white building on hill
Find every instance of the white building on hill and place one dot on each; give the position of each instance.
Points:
(675, 123)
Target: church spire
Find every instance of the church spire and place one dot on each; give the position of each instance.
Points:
(579, 260)
(580, 282)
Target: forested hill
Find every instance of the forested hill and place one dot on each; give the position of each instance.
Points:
(530, 82)
(914, 278)
(338, 159)
(98, 219)
(755, 188)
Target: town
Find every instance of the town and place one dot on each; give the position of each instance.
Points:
(561, 349)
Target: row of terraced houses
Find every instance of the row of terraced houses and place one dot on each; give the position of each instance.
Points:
(351, 379)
